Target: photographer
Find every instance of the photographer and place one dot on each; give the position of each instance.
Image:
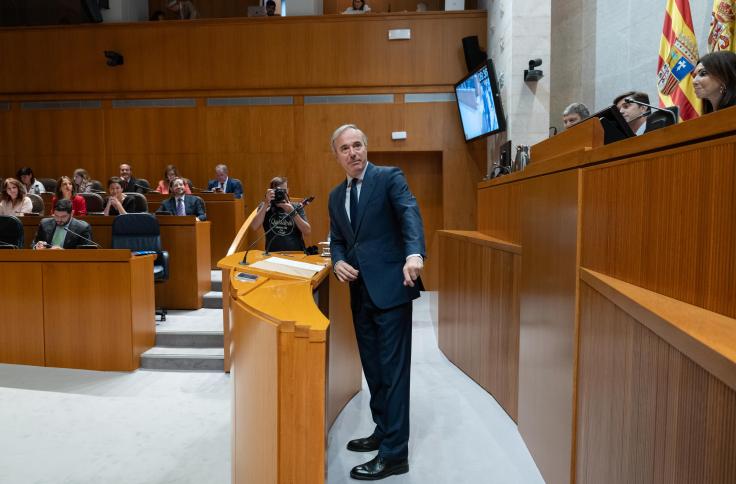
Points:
(274, 211)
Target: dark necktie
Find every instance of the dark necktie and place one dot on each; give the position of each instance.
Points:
(354, 203)
(180, 207)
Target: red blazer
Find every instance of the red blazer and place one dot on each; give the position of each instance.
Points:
(79, 206)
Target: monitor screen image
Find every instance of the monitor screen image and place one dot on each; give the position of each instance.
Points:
(479, 103)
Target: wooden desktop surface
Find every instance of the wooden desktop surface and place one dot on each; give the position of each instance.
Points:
(294, 369)
(87, 309)
(188, 244)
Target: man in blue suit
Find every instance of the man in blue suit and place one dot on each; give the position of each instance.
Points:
(182, 204)
(377, 245)
(224, 184)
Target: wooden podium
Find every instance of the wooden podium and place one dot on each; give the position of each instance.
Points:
(603, 318)
(295, 365)
(87, 309)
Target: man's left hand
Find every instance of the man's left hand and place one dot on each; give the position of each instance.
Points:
(412, 270)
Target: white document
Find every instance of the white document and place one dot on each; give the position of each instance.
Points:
(288, 266)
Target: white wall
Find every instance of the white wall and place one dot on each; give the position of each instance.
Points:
(601, 48)
(303, 7)
(126, 11)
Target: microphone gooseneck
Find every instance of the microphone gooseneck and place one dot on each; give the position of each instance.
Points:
(79, 235)
(631, 100)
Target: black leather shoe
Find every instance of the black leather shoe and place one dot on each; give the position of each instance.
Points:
(366, 444)
(378, 468)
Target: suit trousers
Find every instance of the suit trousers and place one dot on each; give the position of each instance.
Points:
(384, 343)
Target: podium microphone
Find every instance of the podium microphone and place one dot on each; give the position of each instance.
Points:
(299, 205)
(80, 236)
(631, 100)
(147, 189)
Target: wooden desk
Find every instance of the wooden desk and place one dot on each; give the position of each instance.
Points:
(224, 211)
(188, 244)
(87, 309)
(293, 369)
(626, 315)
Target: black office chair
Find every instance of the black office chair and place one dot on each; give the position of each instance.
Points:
(37, 202)
(142, 182)
(11, 232)
(141, 204)
(140, 233)
(96, 186)
(95, 203)
(49, 184)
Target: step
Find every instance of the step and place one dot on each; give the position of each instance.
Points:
(216, 281)
(212, 300)
(165, 358)
(190, 339)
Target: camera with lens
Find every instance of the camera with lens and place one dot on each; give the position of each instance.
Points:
(279, 196)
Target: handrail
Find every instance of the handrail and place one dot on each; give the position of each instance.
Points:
(241, 235)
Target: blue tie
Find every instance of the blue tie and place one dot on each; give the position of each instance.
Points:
(354, 203)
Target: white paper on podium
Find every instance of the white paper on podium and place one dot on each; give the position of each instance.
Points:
(288, 266)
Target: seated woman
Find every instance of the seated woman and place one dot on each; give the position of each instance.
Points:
(273, 213)
(170, 174)
(25, 175)
(359, 6)
(65, 191)
(714, 80)
(118, 203)
(82, 182)
(13, 199)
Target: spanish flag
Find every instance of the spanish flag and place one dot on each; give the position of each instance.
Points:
(722, 26)
(678, 56)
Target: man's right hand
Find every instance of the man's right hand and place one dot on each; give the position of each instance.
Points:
(345, 272)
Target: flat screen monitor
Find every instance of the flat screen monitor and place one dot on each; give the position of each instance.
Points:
(615, 127)
(479, 103)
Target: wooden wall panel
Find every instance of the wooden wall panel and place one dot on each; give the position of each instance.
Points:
(479, 315)
(647, 413)
(548, 338)
(178, 56)
(671, 229)
(499, 211)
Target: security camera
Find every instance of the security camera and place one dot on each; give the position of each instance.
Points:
(114, 58)
(533, 74)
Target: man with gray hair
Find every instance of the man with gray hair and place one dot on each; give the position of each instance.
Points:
(224, 184)
(573, 114)
(377, 246)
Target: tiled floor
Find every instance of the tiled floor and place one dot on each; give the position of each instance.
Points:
(154, 427)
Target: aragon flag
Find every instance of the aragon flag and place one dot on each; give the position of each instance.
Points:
(722, 26)
(678, 56)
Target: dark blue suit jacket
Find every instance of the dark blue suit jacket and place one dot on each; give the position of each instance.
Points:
(192, 204)
(232, 185)
(389, 229)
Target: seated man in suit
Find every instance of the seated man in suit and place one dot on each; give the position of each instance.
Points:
(181, 203)
(128, 182)
(634, 114)
(224, 184)
(62, 231)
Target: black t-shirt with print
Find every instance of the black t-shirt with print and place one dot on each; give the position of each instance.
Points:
(286, 236)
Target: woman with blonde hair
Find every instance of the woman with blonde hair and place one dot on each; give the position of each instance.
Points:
(82, 182)
(13, 199)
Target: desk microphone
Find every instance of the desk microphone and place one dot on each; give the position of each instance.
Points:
(147, 189)
(5, 244)
(299, 205)
(631, 100)
(80, 236)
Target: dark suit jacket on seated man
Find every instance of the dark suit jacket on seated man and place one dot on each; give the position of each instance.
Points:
(224, 184)
(181, 203)
(377, 244)
(53, 234)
